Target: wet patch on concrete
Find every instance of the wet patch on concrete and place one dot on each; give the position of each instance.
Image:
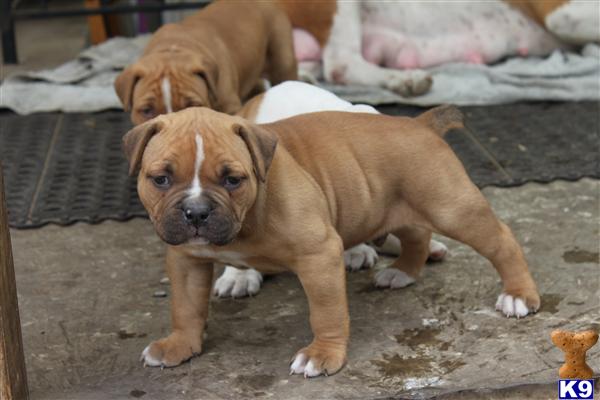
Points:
(270, 330)
(412, 372)
(550, 302)
(426, 337)
(259, 382)
(451, 365)
(579, 256)
(395, 365)
(229, 306)
(137, 393)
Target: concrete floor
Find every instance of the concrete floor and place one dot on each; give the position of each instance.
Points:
(87, 310)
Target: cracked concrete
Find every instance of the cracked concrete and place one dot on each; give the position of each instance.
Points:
(87, 310)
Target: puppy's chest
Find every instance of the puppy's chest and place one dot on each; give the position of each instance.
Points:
(238, 258)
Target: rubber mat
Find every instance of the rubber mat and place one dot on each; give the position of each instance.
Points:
(508, 145)
(64, 168)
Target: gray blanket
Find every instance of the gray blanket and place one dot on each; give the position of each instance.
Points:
(85, 84)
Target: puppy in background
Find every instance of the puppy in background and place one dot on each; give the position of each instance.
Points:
(215, 58)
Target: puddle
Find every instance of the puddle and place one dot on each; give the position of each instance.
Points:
(427, 337)
(393, 366)
(396, 366)
(578, 256)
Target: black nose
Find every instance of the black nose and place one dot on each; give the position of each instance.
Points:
(197, 213)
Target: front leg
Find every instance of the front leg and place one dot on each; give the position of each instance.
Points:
(191, 282)
(323, 277)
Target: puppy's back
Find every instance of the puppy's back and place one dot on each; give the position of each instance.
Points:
(337, 131)
(360, 160)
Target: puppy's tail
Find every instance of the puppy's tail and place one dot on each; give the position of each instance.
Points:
(441, 119)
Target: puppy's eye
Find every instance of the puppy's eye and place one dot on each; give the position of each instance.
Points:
(191, 103)
(161, 181)
(232, 182)
(147, 112)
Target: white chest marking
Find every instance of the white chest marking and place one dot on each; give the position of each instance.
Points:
(196, 189)
(166, 92)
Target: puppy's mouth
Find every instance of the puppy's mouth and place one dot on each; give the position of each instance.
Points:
(198, 240)
(174, 228)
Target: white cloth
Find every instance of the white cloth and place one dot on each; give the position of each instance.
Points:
(561, 77)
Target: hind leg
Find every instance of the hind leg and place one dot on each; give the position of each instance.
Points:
(440, 197)
(520, 295)
(473, 222)
(407, 267)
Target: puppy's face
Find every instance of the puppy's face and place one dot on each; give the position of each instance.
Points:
(164, 82)
(199, 173)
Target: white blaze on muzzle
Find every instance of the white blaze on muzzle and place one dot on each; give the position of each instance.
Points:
(166, 92)
(195, 190)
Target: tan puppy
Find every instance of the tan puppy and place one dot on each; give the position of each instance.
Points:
(214, 58)
(291, 195)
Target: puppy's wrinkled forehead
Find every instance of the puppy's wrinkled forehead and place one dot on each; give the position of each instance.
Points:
(197, 138)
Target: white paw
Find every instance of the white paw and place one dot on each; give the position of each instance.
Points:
(238, 282)
(361, 256)
(147, 359)
(437, 250)
(302, 365)
(511, 306)
(393, 278)
(409, 83)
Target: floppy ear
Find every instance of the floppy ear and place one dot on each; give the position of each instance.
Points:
(135, 141)
(261, 144)
(210, 76)
(222, 84)
(124, 85)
